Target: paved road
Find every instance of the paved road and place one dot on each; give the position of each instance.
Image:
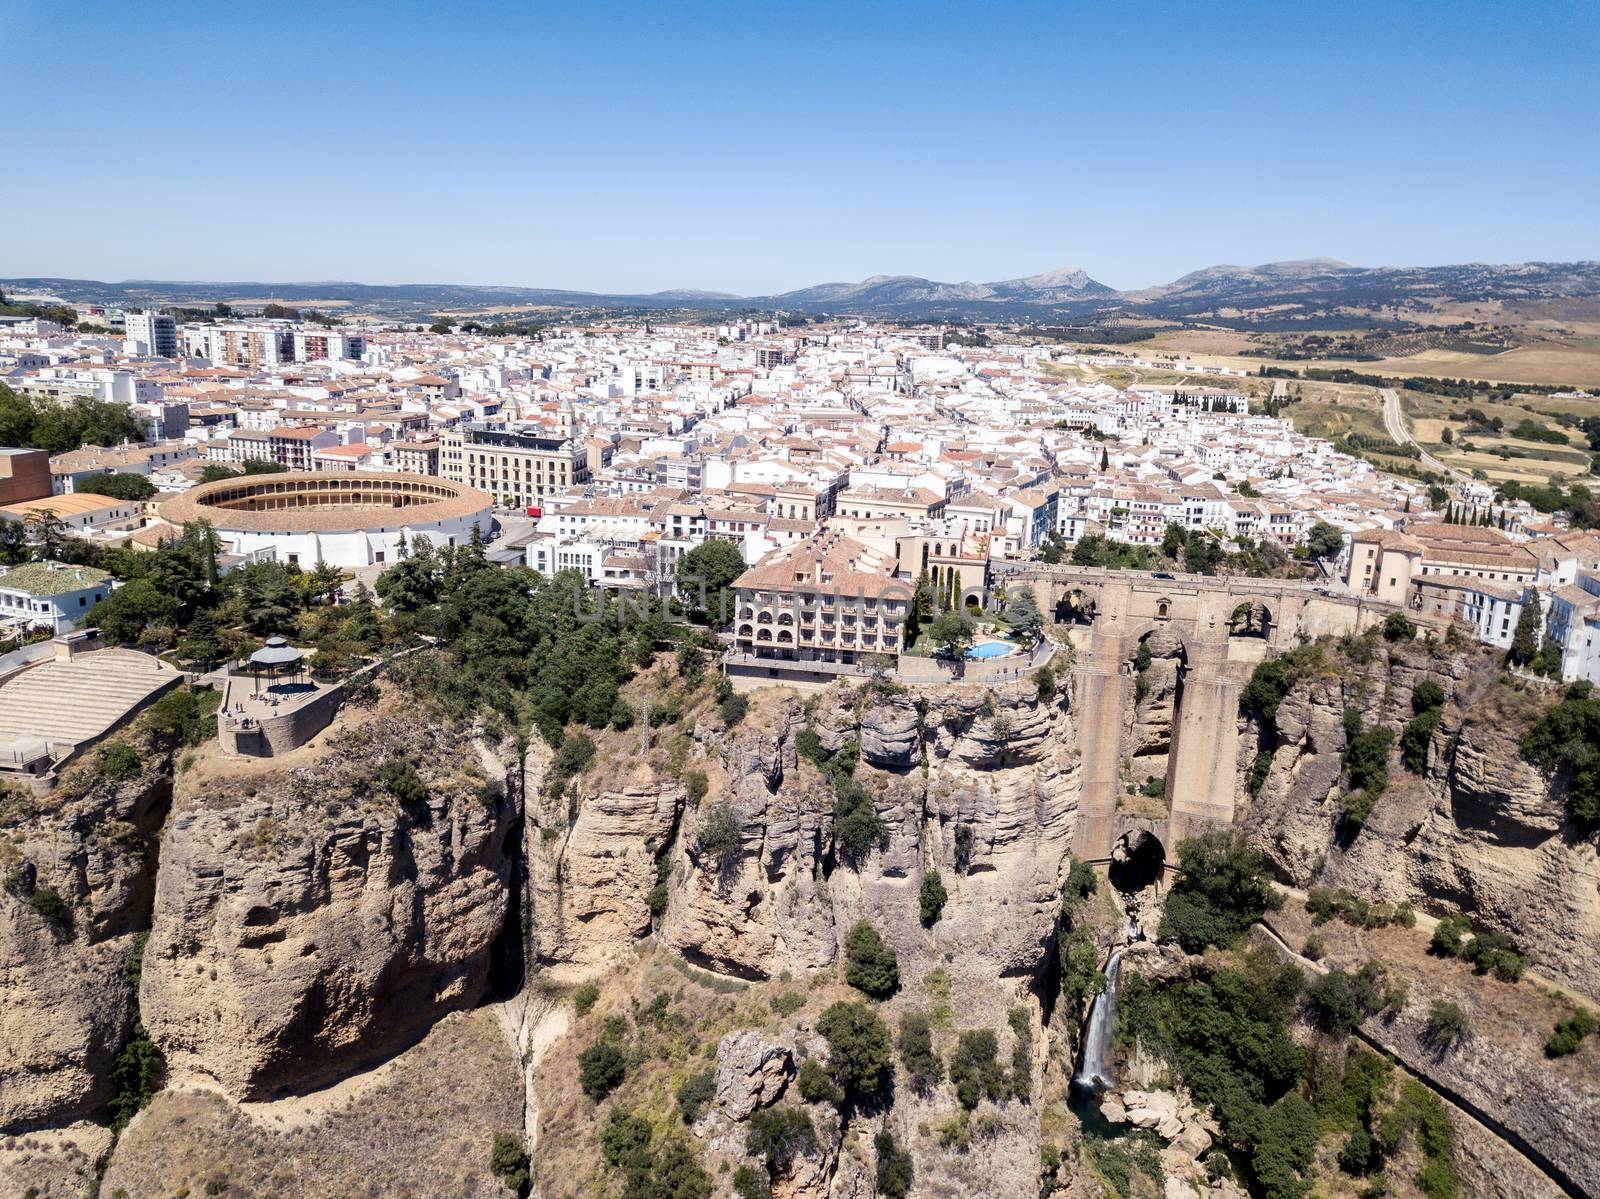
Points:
(1395, 422)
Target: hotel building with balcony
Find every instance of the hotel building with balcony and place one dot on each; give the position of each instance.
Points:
(827, 606)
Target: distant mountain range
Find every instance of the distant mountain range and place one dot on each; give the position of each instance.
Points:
(1240, 295)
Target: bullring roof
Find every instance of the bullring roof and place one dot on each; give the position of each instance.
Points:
(431, 500)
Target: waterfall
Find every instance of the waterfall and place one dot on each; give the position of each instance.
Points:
(1093, 1073)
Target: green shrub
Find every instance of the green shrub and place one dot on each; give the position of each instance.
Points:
(1082, 882)
(857, 830)
(780, 1134)
(1447, 1023)
(117, 762)
(859, 1055)
(694, 1093)
(1495, 953)
(584, 998)
(1570, 1032)
(1366, 763)
(1315, 947)
(734, 708)
(695, 786)
(1448, 936)
(808, 745)
(1021, 1053)
(1397, 626)
(750, 1183)
(1566, 742)
(975, 1068)
(870, 965)
(601, 1068)
(1045, 680)
(1081, 976)
(719, 837)
(816, 1085)
(917, 1054)
(895, 1169)
(1426, 696)
(787, 1003)
(50, 907)
(1359, 1154)
(625, 1138)
(508, 1161)
(1223, 887)
(1415, 738)
(571, 760)
(931, 898)
(403, 782)
(622, 715)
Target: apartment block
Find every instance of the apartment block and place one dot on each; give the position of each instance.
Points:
(519, 468)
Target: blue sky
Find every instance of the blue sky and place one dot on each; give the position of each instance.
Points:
(755, 148)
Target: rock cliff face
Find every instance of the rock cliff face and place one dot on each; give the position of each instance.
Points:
(317, 920)
(65, 999)
(1479, 831)
(981, 786)
(589, 877)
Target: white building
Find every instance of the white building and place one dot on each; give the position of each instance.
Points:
(1573, 624)
(151, 333)
(51, 594)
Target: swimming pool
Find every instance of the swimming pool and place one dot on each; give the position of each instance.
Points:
(989, 649)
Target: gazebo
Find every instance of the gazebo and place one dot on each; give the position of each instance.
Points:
(277, 661)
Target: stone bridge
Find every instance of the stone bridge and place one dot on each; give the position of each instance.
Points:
(1226, 626)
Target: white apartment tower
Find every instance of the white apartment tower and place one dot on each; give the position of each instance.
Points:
(155, 331)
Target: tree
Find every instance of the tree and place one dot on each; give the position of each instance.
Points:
(952, 633)
(271, 596)
(895, 1167)
(509, 1162)
(1397, 626)
(1324, 540)
(1105, 460)
(779, 1135)
(119, 487)
(719, 838)
(1024, 617)
(1529, 631)
(1566, 742)
(859, 1054)
(917, 1054)
(45, 533)
(601, 1068)
(975, 1068)
(705, 575)
(931, 898)
(1447, 1023)
(870, 965)
(694, 1093)
(124, 615)
(1223, 887)
(816, 1085)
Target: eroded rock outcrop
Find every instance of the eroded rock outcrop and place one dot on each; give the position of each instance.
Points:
(310, 922)
(979, 785)
(592, 864)
(752, 1071)
(78, 866)
(1480, 831)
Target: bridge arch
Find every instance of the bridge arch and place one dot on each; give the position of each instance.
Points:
(1138, 860)
(1252, 617)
